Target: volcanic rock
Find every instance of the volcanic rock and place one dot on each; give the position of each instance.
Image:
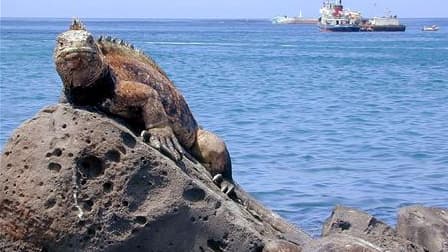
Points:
(425, 226)
(355, 223)
(341, 243)
(77, 180)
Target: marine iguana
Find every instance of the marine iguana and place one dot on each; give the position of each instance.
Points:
(118, 79)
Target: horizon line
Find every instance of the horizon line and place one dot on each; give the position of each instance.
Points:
(181, 18)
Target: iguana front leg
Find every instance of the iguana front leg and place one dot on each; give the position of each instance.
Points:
(164, 140)
(158, 132)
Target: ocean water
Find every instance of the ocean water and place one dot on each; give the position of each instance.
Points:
(311, 119)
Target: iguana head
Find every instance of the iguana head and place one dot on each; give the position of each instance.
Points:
(79, 61)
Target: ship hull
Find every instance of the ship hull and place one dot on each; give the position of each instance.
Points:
(386, 28)
(339, 28)
(301, 21)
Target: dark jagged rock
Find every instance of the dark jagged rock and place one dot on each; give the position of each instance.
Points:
(352, 222)
(74, 180)
(425, 226)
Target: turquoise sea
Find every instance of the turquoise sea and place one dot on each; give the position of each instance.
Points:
(311, 119)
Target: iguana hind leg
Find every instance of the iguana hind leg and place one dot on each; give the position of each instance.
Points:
(212, 152)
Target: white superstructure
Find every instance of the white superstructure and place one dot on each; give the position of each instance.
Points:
(383, 21)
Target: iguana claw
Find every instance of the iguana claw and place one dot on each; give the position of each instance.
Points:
(165, 141)
(145, 136)
(218, 178)
(226, 186)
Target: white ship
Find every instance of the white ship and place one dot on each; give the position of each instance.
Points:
(387, 23)
(333, 17)
(293, 20)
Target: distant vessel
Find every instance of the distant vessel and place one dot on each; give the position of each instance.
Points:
(430, 28)
(388, 23)
(293, 20)
(334, 18)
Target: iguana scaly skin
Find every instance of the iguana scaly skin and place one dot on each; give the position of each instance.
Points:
(120, 80)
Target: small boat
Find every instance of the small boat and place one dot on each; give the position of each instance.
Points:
(430, 28)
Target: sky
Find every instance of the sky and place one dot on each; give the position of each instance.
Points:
(211, 8)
